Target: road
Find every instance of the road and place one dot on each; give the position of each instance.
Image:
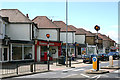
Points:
(78, 72)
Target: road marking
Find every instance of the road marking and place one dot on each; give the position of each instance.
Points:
(78, 69)
(85, 75)
(70, 75)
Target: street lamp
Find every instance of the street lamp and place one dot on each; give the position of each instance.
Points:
(66, 33)
(48, 36)
(97, 28)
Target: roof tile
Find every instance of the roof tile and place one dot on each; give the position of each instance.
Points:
(14, 15)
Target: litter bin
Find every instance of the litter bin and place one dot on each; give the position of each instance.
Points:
(61, 60)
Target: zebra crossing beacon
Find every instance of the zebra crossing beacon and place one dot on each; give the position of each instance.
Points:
(48, 55)
(97, 28)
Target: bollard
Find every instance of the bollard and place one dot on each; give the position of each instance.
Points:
(111, 61)
(17, 68)
(31, 67)
(97, 64)
(94, 59)
(70, 62)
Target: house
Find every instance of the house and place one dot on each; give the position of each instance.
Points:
(4, 50)
(46, 26)
(20, 30)
(107, 42)
(90, 41)
(80, 42)
(71, 38)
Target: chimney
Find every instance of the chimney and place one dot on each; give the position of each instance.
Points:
(27, 15)
(51, 19)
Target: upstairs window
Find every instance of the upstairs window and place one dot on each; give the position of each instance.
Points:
(0, 27)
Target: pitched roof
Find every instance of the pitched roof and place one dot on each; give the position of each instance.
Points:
(88, 33)
(62, 25)
(14, 15)
(44, 22)
(104, 37)
(75, 29)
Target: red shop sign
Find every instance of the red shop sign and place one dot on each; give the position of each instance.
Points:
(44, 43)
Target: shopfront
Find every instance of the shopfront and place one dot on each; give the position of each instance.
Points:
(71, 49)
(21, 50)
(80, 50)
(41, 50)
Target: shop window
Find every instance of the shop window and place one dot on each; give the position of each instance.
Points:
(17, 52)
(91, 50)
(28, 52)
(43, 50)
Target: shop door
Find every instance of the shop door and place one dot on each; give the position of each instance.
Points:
(79, 51)
(5, 54)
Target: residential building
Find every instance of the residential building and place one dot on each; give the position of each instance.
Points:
(71, 38)
(46, 26)
(20, 30)
(90, 41)
(80, 42)
(4, 50)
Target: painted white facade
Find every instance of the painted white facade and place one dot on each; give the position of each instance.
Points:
(19, 31)
(80, 39)
(71, 37)
(2, 28)
(54, 34)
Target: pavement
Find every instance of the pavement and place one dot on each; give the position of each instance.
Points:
(53, 67)
(56, 66)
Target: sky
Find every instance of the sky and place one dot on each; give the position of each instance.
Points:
(80, 14)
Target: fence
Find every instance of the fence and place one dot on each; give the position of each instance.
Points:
(14, 69)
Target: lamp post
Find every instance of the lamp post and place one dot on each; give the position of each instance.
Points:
(48, 55)
(97, 28)
(66, 33)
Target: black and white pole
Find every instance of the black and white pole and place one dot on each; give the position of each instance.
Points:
(97, 28)
(48, 55)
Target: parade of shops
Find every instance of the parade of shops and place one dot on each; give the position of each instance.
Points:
(24, 39)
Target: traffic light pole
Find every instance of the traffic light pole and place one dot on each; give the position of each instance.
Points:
(97, 53)
(48, 56)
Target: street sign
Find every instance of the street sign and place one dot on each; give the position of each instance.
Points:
(94, 59)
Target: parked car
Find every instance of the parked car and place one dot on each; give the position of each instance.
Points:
(114, 54)
(103, 57)
(88, 58)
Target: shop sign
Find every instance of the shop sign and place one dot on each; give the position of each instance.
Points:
(43, 43)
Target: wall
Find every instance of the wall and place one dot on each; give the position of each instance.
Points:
(2, 29)
(90, 40)
(71, 37)
(80, 39)
(53, 34)
(19, 31)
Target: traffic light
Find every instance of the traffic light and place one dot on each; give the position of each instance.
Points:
(97, 28)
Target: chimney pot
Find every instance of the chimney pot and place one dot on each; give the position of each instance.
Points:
(27, 15)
